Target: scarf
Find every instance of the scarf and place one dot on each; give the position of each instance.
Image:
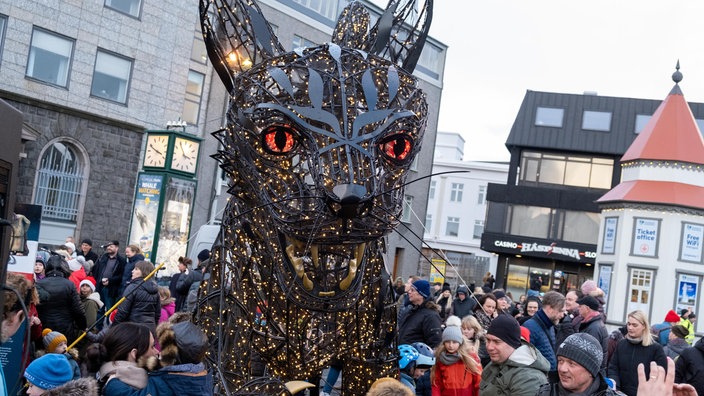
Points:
(449, 358)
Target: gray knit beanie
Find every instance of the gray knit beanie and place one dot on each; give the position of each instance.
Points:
(583, 349)
(452, 330)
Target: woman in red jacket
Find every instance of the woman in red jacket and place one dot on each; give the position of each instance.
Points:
(457, 370)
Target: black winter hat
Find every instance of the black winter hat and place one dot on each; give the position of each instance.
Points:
(590, 302)
(507, 329)
(583, 349)
(204, 255)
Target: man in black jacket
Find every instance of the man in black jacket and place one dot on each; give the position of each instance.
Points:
(420, 323)
(108, 274)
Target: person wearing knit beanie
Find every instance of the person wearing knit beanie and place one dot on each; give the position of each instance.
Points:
(672, 317)
(579, 362)
(422, 286)
(47, 372)
(516, 367)
(507, 329)
(54, 342)
(661, 331)
(452, 330)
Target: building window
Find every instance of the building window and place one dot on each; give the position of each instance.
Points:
(59, 183)
(300, 42)
(568, 170)
(194, 91)
(326, 8)
(530, 221)
(641, 121)
(456, 192)
(640, 288)
(49, 57)
(549, 117)
(198, 52)
(428, 223)
(478, 229)
(452, 228)
(431, 191)
(430, 58)
(407, 209)
(582, 227)
(3, 24)
(111, 77)
(596, 120)
(481, 195)
(129, 7)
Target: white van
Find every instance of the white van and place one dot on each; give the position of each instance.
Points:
(203, 239)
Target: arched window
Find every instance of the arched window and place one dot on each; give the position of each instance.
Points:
(60, 181)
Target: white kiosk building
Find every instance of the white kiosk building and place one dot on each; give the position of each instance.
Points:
(649, 254)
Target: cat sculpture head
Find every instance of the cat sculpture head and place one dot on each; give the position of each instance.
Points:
(320, 138)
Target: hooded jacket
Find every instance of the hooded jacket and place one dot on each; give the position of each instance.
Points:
(522, 374)
(542, 335)
(462, 308)
(689, 367)
(141, 304)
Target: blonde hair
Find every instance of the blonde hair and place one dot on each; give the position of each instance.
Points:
(470, 322)
(165, 295)
(389, 387)
(638, 315)
(465, 354)
(134, 248)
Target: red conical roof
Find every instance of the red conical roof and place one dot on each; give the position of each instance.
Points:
(670, 135)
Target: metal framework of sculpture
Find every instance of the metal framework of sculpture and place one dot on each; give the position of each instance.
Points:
(317, 146)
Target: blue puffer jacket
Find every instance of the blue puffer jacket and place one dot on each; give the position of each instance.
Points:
(542, 335)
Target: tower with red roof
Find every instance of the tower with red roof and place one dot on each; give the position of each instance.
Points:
(652, 223)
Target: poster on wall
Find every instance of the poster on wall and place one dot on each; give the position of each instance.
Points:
(146, 210)
(687, 290)
(605, 280)
(175, 222)
(437, 271)
(645, 237)
(608, 245)
(691, 247)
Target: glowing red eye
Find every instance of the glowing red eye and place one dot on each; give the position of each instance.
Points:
(397, 147)
(279, 139)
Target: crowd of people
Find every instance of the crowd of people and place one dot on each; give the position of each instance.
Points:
(81, 341)
(544, 343)
(466, 343)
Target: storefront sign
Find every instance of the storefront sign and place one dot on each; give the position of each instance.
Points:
(560, 251)
(645, 237)
(608, 244)
(691, 247)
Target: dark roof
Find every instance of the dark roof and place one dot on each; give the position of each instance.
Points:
(571, 137)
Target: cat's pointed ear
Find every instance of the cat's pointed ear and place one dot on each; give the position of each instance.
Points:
(237, 36)
(401, 31)
(352, 30)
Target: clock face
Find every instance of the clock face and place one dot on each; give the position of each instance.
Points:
(155, 155)
(185, 156)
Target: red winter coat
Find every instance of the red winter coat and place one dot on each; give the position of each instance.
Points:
(456, 380)
(76, 277)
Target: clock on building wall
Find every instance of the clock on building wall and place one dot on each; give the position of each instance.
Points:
(164, 196)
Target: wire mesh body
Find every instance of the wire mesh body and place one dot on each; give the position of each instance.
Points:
(317, 146)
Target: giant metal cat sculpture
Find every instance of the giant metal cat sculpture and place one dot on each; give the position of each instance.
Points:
(317, 145)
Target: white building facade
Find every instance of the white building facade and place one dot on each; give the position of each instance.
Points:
(454, 221)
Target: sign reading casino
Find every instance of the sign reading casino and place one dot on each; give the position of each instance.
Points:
(536, 248)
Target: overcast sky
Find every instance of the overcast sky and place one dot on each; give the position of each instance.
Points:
(499, 49)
